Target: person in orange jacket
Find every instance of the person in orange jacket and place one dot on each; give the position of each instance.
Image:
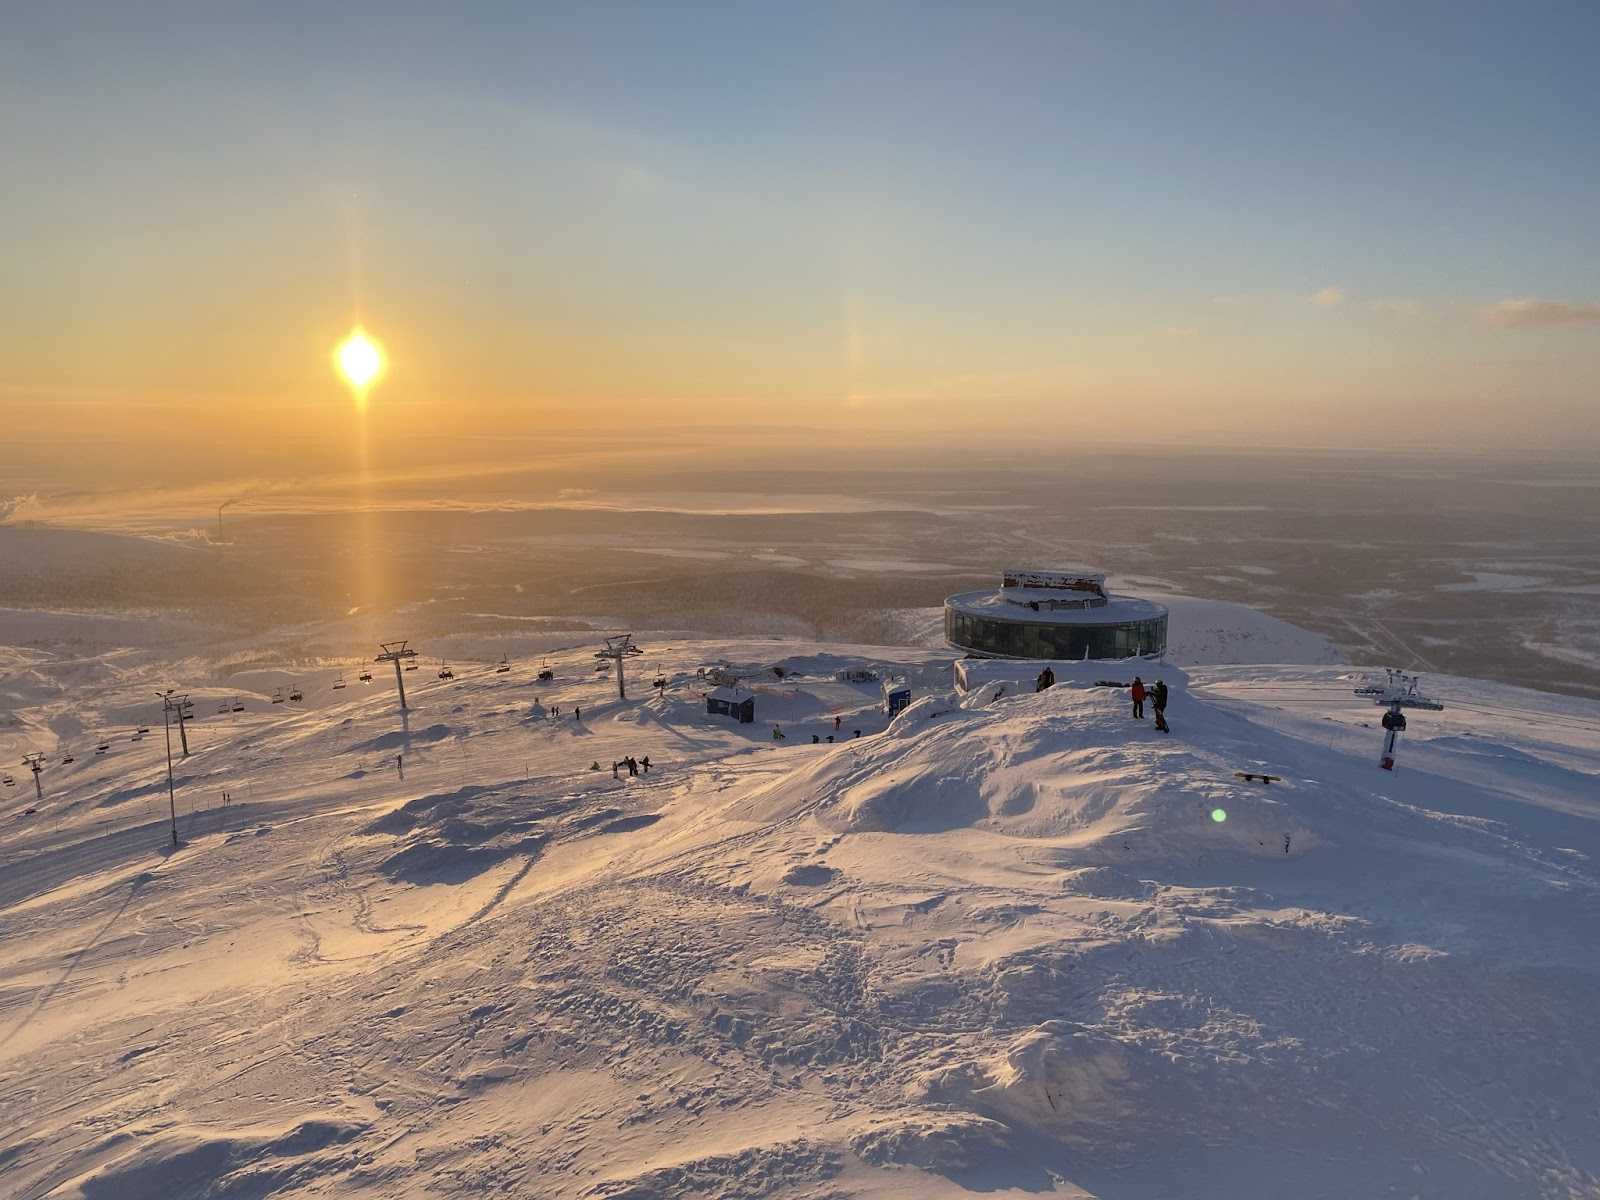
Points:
(1138, 697)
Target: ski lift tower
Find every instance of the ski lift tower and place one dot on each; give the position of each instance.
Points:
(396, 653)
(1398, 691)
(35, 763)
(618, 648)
(185, 711)
(169, 703)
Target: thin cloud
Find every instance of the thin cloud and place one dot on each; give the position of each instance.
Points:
(1396, 306)
(1328, 297)
(1531, 311)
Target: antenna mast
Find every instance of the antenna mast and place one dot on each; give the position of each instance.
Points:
(1398, 691)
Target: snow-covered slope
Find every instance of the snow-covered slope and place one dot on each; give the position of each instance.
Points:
(1003, 948)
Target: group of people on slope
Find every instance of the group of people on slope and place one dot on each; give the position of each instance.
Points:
(633, 765)
(1157, 696)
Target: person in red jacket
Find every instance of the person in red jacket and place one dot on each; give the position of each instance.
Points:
(1138, 697)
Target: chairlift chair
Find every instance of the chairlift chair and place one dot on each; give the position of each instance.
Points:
(277, 696)
(444, 670)
(10, 782)
(365, 677)
(338, 684)
(68, 757)
(144, 729)
(505, 665)
(297, 695)
(411, 666)
(222, 708)
(238, 704)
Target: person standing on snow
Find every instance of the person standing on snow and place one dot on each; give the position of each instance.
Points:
(645, 763)
(1138, 695)
(1159, 696)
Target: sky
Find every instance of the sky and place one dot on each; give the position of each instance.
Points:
(1308, 223)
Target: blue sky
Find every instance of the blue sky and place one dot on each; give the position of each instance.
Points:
(1285, 218)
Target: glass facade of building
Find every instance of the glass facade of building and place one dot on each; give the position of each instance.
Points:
(1022, 639)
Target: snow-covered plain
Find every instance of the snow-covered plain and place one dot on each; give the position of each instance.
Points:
(997, 946)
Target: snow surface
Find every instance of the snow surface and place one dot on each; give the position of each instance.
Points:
(996, 946)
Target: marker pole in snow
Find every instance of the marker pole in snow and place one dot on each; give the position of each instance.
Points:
(1398, 691)
(35, 763)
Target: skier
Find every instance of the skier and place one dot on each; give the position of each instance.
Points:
(837, 721)
(645, 763)
(577, 714)
(1159, 696)
(1138, 697)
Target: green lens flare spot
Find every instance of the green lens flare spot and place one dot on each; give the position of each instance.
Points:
(1219, 815)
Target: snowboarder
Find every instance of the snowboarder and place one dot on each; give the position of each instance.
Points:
(777, 734)
(1159, 696)
(645, 763)
(837, 721)
(577, 714)
(1137, 693)
(633, 767)
(1047, 679)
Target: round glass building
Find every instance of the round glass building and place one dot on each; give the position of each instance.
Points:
(1054, 614)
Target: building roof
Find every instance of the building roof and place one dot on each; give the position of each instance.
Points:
(997, 607)
(732, 695)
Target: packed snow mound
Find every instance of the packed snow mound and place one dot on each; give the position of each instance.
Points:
(1067, 765)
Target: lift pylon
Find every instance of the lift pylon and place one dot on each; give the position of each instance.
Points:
(396, 653)
(618, 648)
(35, 763)
(1398, 691)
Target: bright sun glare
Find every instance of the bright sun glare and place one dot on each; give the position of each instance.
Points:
(360, 360)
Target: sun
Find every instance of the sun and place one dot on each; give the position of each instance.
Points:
(359, 359)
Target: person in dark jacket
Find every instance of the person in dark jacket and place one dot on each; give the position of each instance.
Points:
(1159, 695)
(1138, 694)
(645, 763)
